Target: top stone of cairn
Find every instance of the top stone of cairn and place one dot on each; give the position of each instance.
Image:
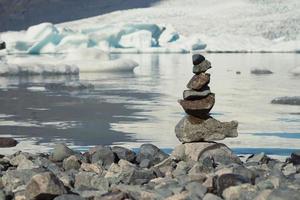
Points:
(197, 59)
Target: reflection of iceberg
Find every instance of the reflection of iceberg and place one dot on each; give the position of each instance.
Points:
(48, 38)
(71, 63)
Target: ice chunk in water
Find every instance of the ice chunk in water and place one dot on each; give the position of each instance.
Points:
(139, 39)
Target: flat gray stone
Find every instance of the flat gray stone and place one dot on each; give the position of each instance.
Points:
(202, 67)
(195, 95)
(192, 129)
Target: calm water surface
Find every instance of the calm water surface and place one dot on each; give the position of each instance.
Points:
(138, 107)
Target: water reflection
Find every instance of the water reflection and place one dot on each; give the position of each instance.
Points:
(132, 108)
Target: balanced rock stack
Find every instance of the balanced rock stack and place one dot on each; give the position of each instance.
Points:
(198, 125)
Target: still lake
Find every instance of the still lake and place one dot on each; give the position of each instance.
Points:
(141, 107)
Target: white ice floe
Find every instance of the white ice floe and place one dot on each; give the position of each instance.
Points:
(48, 38)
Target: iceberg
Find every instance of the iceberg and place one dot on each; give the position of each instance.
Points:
(47, 38)
(140, 39)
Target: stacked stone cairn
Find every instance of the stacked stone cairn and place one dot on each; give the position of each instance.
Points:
(198, 100)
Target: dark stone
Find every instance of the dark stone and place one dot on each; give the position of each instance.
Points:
(260, 158)
(261, 71)
(287, 100)
(124, 153)
(198, 108)
(197, 59)
(295, 158)
(104, 155)
(2, 45)
(226, 180)
(7, 142)
(202, 67)
(68, 197)
(60, 152)
(238, 72)
(196, 95)
(69, 86)
(152, 153)
(199, 81)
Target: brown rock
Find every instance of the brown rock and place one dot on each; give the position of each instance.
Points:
(199, 81)
(198, 108)
(7, 142)
(44, 186)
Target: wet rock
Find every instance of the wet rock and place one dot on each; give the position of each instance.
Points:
(44, 186)
(152, 153)
(71, 162)
(261, 71)
(7, 142)
(197, 59)
(191, 129)
(60, 152)
(260, 158)
(104, 155)
(2, 45)
(124, 153)
(199, 81)
(295, 158)
(202, 67)
(200, 151)
(287, 100)
(198, 108)
(196, 95)
(68, 197)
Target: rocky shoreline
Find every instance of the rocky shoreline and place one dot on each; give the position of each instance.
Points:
(202, 170)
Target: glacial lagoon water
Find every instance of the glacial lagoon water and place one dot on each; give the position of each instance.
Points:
(133, 108)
